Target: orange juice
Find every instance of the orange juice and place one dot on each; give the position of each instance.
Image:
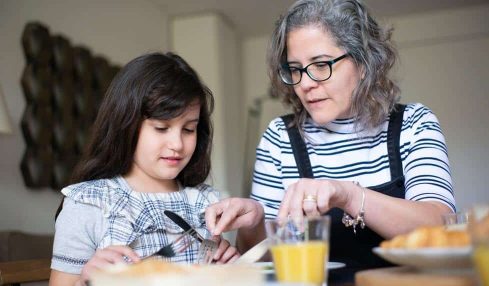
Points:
(481, 260)
(301, 262)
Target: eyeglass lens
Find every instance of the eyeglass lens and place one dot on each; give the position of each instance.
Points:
(317, 71)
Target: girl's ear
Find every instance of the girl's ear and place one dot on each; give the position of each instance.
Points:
(362, 72)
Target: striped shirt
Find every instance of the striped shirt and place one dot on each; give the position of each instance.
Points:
(100, 213)
(337, 152)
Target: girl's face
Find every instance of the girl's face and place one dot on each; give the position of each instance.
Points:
(164, 148)
(327, 100)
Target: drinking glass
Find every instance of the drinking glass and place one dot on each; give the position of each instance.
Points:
(300, 249)
(457, 220)
(479, 232)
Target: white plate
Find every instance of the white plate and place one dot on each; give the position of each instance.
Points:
(428, 258)
(267, 267)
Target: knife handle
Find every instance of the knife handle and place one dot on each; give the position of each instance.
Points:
(196, 235)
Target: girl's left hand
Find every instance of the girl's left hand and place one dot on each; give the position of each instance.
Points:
(225, 253)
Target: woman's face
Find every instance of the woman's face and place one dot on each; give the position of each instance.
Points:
(327, 100)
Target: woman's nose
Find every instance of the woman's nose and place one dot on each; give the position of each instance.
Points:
(307, 82)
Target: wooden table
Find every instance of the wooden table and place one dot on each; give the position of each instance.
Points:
(405, 276)
(16, 272)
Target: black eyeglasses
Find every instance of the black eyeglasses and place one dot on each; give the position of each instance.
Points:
(317, 71)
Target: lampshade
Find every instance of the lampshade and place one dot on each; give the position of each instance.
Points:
(5, 126)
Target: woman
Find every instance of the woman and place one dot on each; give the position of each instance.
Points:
(378, 168)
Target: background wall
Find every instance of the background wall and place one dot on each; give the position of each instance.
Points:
(443, 65)
(216, 58)
(119, 32)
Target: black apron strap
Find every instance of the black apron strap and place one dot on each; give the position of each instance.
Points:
(298, 148)
(393, 138)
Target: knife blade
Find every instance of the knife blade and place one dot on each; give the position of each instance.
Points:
(183, 224)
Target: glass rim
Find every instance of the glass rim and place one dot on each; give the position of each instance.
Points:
(300, 218)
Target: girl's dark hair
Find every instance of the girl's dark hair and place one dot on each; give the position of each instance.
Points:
(156, 86)
(355, 30)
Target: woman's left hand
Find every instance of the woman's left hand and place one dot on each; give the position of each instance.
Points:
(225, 253)
(312, 197)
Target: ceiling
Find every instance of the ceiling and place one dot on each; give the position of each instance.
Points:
(256, 17)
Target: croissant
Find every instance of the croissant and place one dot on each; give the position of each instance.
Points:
(151, 266)
(153, 272)
(429, 236)
(480, 229)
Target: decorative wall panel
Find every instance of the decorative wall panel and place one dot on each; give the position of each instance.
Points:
(63, 86)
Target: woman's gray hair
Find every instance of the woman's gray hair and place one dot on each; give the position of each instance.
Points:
(369, 45)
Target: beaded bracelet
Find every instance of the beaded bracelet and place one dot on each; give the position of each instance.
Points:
(348, 221)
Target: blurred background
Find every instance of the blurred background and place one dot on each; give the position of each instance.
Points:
(444, 64)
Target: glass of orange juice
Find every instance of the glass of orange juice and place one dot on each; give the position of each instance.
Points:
(300, 249)
(479, 233)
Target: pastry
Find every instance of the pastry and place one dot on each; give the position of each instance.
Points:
(150, 266)
(480, 229)
(152, 272)
(429, 236)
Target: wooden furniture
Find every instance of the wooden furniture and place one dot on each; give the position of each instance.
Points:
(18, 245)
(16, 272)
(406, 276)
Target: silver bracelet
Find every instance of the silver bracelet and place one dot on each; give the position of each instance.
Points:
(348, 221)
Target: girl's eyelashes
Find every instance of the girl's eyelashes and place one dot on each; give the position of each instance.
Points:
(191, 128)
(161, 129)
(186, 130)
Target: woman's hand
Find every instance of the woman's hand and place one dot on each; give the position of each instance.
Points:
(225, 253)
(107, 256)
(313, 197)
(233, 213)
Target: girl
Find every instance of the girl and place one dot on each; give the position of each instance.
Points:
(149, 151)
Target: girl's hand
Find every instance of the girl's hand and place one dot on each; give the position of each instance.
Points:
(313, 197)
(107, 256)
(233, 213)
(225, 253)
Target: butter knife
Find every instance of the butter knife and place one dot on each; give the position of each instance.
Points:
(183, 224)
